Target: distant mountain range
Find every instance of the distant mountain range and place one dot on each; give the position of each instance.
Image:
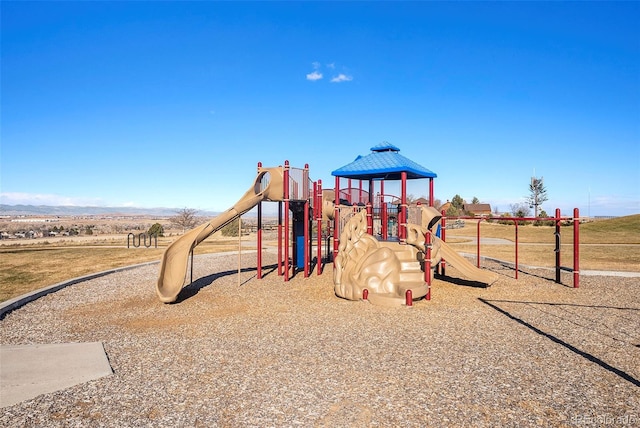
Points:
(48, 210)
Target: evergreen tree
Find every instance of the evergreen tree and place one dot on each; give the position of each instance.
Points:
(231, 229)
(156, 229)
(537, 194)
(457, 202)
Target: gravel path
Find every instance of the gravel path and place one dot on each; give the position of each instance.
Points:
(268, 353)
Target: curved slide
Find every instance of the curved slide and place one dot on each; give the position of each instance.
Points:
(268, 186)
(466, 268)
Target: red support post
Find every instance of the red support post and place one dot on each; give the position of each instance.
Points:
(478, 244)
(516, 245)
(576, 248)
(427, 263)
(286, 220)
(430, 191)
(369, 218)
(408, 298)
(384, 219)
(279, 238)
(259, 236)
(307, 239)
(319, 220)
(402, 226)
(558, 246)
(336, 221)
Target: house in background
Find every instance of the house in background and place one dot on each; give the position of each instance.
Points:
(478, 210)
(445, 207)
(422, 201)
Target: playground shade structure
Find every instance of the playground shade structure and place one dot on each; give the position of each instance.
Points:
(267, 186)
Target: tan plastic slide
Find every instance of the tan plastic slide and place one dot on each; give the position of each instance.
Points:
(268, 186)
(466, 268)
(431, 217)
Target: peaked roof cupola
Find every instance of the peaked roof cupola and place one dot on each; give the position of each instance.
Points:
(383, 163)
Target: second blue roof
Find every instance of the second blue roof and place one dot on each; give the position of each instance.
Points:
(383, 163)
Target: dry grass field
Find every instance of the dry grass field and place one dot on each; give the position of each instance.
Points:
(604, 245)
(32, 264)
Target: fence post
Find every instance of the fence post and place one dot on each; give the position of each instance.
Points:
(558, 246)
(516, 245)
(576, 248)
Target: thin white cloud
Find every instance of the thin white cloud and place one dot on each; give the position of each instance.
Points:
(341, 78)
(314, 76)
(19, 198)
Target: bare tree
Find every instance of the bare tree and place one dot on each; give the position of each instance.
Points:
(185, 218)
(520, 210)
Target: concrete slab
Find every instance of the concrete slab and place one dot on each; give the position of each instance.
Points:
(27, 371)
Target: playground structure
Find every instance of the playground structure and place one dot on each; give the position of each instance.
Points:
(384, 250)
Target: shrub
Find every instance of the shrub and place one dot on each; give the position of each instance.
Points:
(156, 229)
(231, 229)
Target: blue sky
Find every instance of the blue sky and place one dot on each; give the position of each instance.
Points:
(172, 104)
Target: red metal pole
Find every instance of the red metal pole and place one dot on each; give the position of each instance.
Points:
(408, 298)
(286, 220)
(369, 219)
(385, 221)
(431, 191)
(427, 264)
(319, 220)
(336, 220)
(558, 247)
(402, 226)
(307, 238)
(576, 248)
(478, 244)
(443, 229)
(516, 223)
(279, 238)
(259, 236)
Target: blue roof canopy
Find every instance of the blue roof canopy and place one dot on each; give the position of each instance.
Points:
(383, 163)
